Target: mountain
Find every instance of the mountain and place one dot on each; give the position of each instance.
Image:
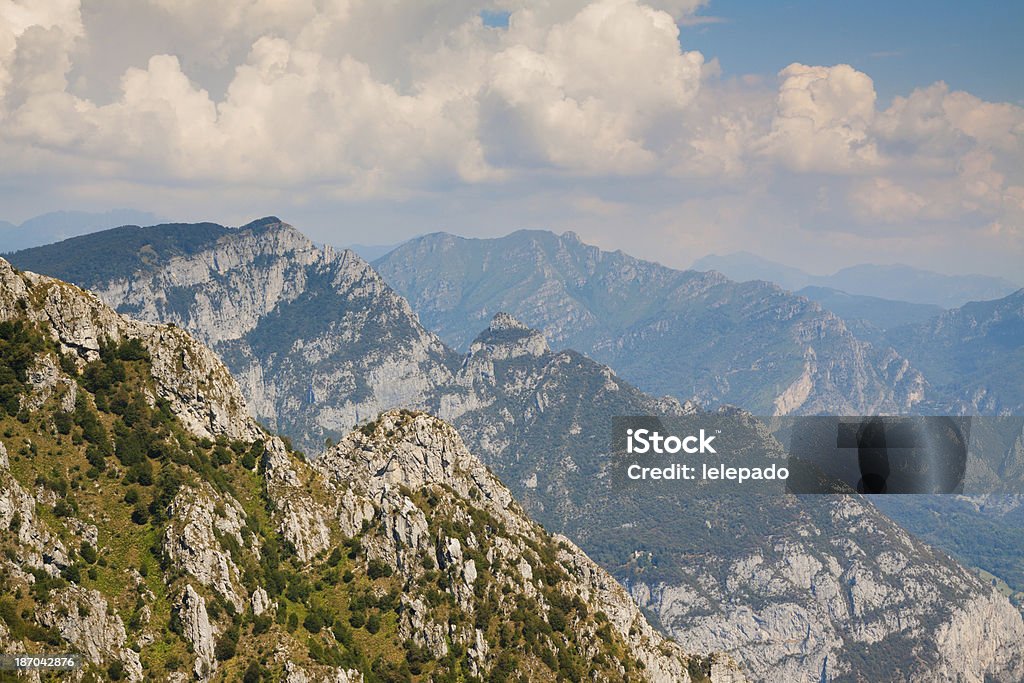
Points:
(318, 342)
(983, 532)
(919, 286)
(786, 584)
(743, 266)
(149, 524)
(869, 317)
(892, 282)
(792, 587)
(60, 225)
(681, 333)
(883, 314)
(372, 252)
(973, 355)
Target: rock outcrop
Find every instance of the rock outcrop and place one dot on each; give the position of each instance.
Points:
(85, 620)
(200, 520)
(436, 505)
(197, 630)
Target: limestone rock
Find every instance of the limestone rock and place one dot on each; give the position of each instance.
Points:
(83, 619)
(197, 630)
(402, 453)
(198, 516)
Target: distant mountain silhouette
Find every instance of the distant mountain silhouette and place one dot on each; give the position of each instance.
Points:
(894, 282)
(60, 225)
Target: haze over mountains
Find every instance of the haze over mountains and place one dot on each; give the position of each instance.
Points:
(60, 225)
(869, 317)
(973, 355)
(692, 334)
(681, 333)
(893, 282)
(792, 588)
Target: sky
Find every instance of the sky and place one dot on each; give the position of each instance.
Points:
(816, 134)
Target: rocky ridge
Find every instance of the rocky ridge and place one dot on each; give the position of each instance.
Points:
(248, 562)
(682, 333)
(416, 467)
(973, 354)
(797, 587)
(315, 338)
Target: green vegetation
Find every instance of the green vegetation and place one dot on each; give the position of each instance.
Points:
(117, 253)
(19, 343)
(121, 456)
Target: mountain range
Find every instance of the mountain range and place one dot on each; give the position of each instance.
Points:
(60, 225)
(681, 333)
(151, 525)
(973, 356)
(894, 282)
(790, 587)
(699, 335)
(868, 317)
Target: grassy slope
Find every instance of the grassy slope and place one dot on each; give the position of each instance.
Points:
(117, 462)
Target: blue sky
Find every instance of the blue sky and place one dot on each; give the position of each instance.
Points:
(973, 46)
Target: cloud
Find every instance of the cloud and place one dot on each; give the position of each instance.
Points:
(35, 37)
(590, 92)
(881, 199)
(964, 154)
(822, 120)
(582, 95)
(359, 100)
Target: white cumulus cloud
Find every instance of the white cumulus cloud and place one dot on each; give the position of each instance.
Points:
(363, 100)
(822, 120)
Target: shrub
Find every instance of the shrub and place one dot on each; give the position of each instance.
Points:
(261, 624)
(226, 645)
(63, 422)
(253, 673)
(132, 349)
(312, 623)
(87, 552)
(376, 569)
(140, 515)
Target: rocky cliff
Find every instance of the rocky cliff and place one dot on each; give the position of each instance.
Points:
(682, 333)
(315, 338)
(794, 587)
(442, 519)
(148, 523)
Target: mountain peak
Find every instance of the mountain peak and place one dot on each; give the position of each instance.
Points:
(262, 222)
(503, 321)
(399, 509)
(506, 338)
